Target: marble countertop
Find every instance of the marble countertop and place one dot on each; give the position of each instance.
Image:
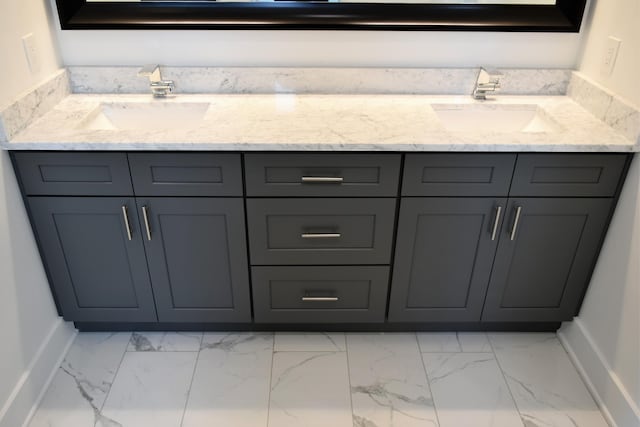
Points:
(351, 122)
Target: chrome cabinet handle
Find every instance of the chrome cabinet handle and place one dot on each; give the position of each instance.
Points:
(306, 299)
(320, 235)
(125, 214)
(494, 230)
(145, 215)
(336, 179)
(515, 223)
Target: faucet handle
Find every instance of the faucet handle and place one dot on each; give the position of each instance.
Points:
(148, 70)
(492, 71)
(489, 75)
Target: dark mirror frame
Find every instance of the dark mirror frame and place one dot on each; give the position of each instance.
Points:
(564, 16)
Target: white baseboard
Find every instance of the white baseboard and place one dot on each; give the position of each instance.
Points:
(30, 388)
(612, 397)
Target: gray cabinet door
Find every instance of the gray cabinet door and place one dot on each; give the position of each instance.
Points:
(196, 250)
(97, 271)
(543, 267)
(444, 252)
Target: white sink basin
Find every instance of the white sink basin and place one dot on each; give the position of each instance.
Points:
(156, 115)
(494, 118)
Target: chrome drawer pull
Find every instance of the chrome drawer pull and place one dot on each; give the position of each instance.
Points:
(319, 299)
(515, 223)
(335, 179)
(320, 235)
(125, 214)
(145, 215)
(495, 224)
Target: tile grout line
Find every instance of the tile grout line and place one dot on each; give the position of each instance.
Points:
(426, 375)
(346, 351)
(193, 373)
(504, 377)
(273, 352)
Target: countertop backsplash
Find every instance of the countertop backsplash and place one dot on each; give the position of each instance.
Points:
(260, 80)
(606, 106)
(32, 104)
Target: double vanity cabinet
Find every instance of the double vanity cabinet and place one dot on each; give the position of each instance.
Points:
(354, 240)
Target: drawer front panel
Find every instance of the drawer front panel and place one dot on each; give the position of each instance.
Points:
(567, 175)
(74, 174)
(320, 231)
(455, 174)
(186, 174)
(320, 294)
(322, 175)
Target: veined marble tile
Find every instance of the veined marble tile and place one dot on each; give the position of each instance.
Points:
(544, 383)
(80, 387)
(469, 390)
(474, 342)
(150, 390)
(388, 384)
(310, 389)
(438, 342)
(165, 341)
(231, 381)
(313, 341)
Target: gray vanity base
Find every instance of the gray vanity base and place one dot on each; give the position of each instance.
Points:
(324, 327)
(319, 241)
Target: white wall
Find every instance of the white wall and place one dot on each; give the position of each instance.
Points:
(320, 48)
(32, 335)
(18, 18)
(605, 337)
(619, 18)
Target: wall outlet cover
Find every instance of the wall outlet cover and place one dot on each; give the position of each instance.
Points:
(31, 52)
(611, 49)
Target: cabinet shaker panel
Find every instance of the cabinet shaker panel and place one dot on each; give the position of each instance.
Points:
(197, 258)
(444, 252)
(327, 294)
(567, 175)
(322, 174)
(544, 260)
(186, 174)
(320, 231)
(93, 251)
(457, 174)
(74, 174)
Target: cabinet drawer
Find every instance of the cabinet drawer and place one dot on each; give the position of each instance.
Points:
(322, 175)
(320, 231)
(74, 174)
(455, 174)
(567, 175)
(320, 294)
(186, 174)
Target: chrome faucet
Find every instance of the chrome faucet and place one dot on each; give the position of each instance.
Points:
(159, 87)
(487, 82)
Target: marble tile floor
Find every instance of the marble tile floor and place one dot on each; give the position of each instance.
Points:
(317, 379)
